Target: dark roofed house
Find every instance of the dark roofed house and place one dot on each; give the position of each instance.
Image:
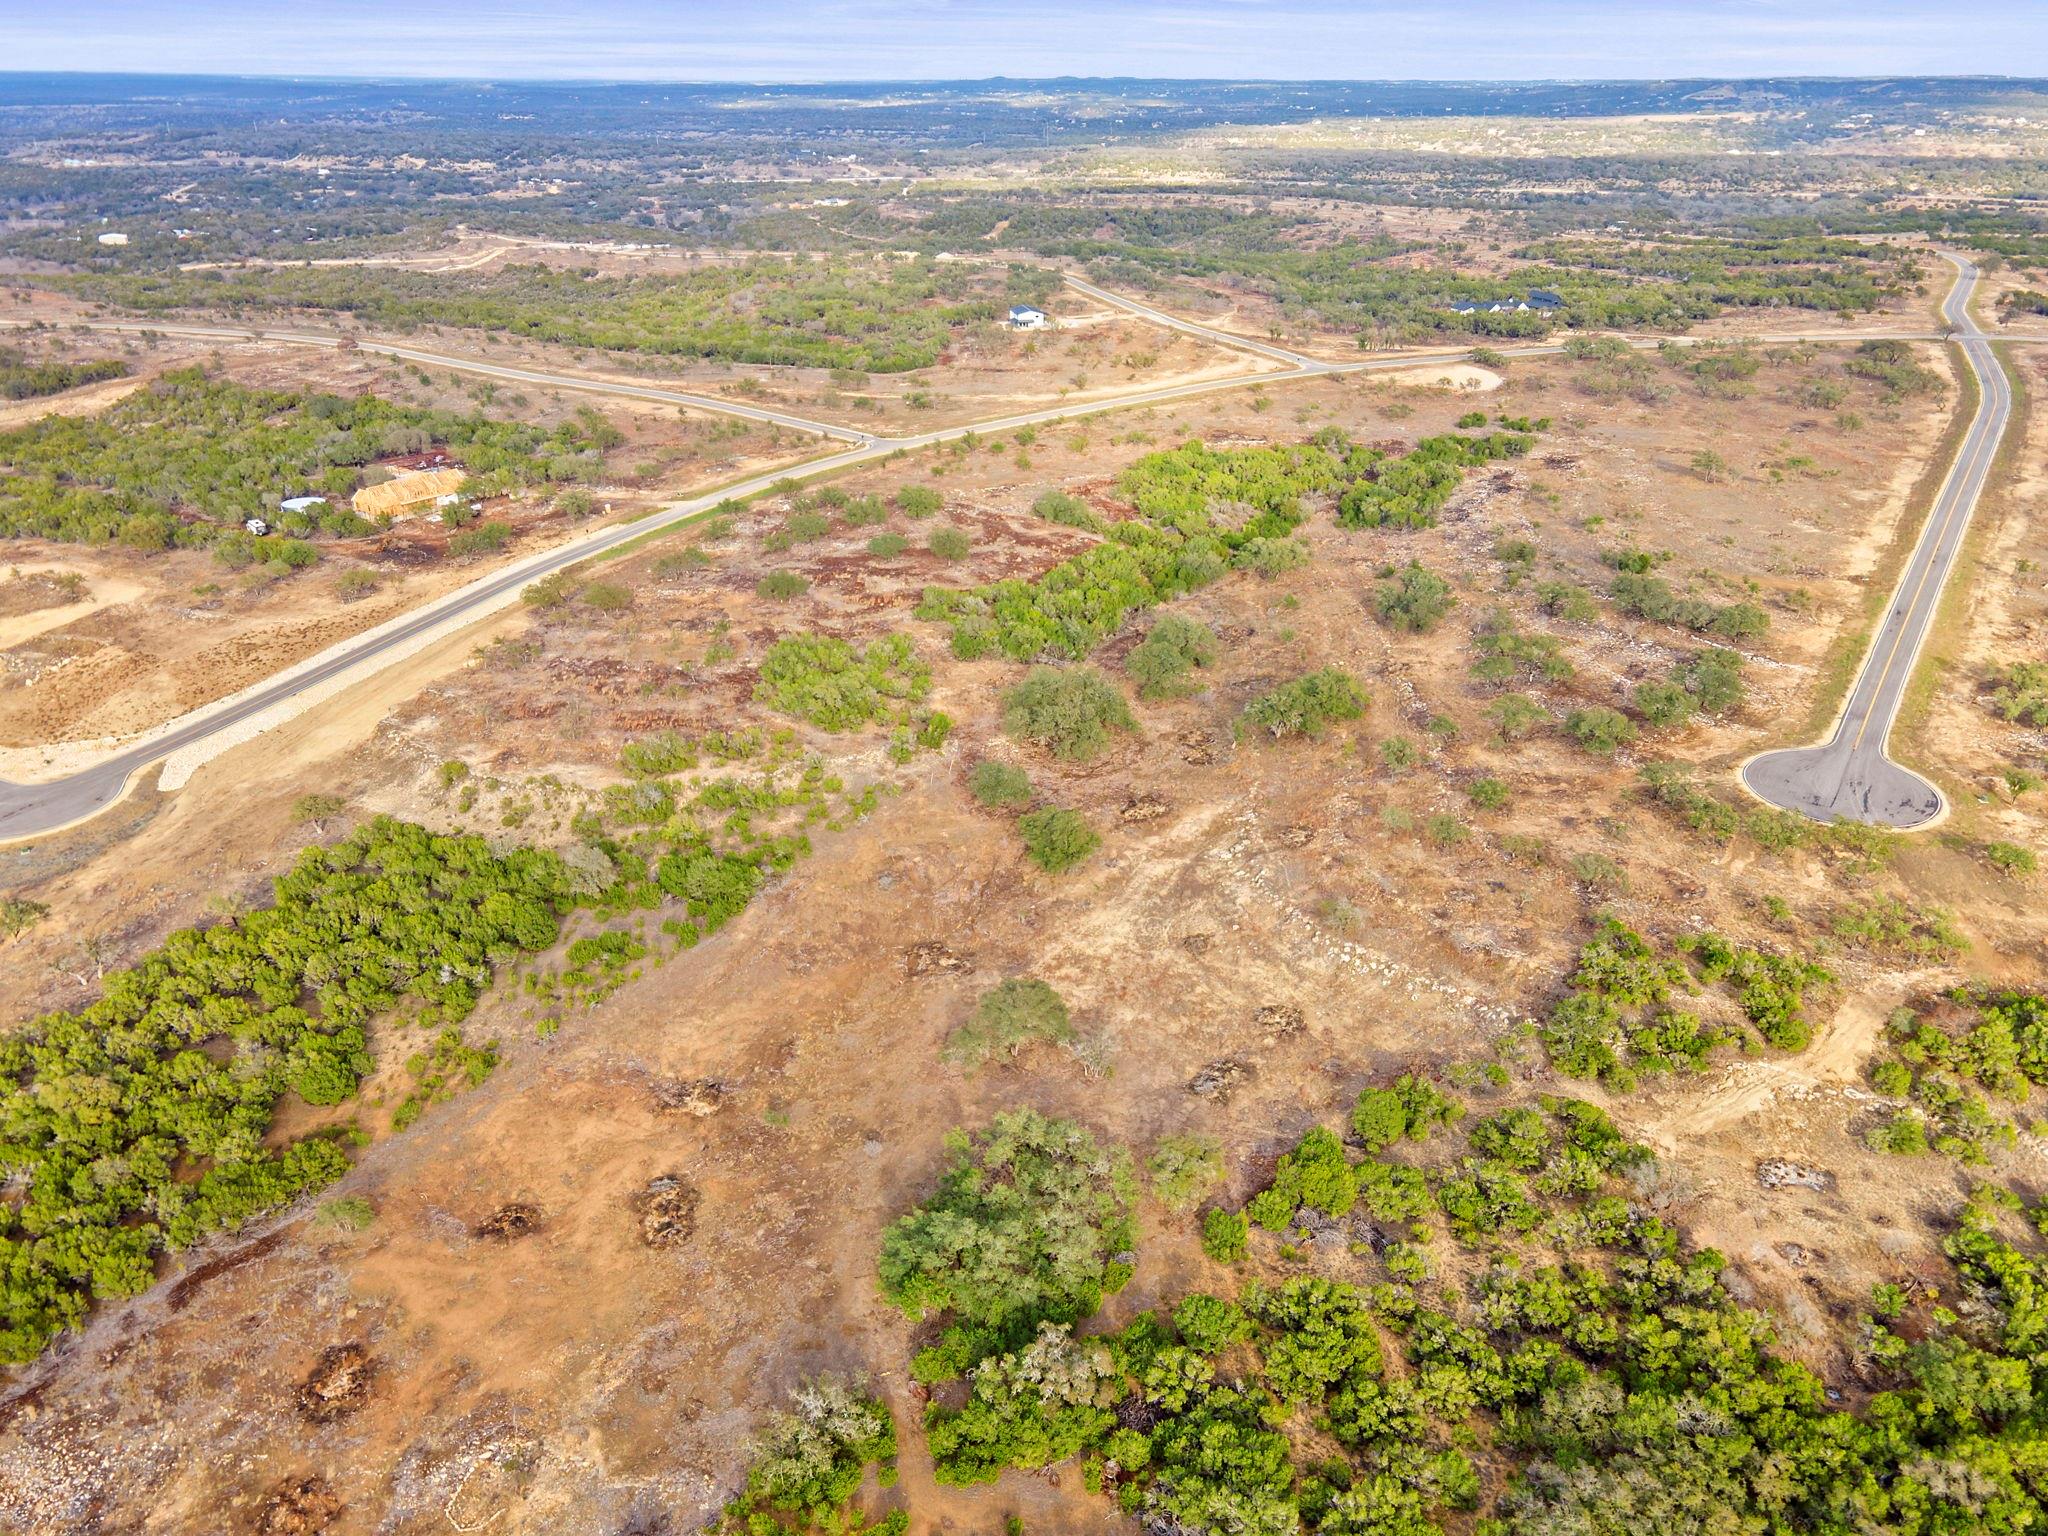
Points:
(1544, 299)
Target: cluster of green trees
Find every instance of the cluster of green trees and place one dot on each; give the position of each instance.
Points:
(1408, 492)
(1025, 1228)
(183, 462)
(1709, 683)
(1893, 366)
(1202, 512)
(23, 378)
(2019, 692)
(808, 1466)
(1944, 1064)
(1769, 272)
(877, 317)
(1677, 788)
(1582, 1347)
(139, 1122)
(1619, 1020)
(1651, 597)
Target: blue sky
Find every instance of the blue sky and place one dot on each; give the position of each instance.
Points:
(953, 39)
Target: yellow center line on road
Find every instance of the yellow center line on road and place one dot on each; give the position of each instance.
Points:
(1965, 465)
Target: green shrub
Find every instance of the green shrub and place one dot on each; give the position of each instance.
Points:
(1209, 1325)
(949, 543)
(1316, 1175)
(472, 543)
(809, 1462)
(997, 784)
(348, 1213)
(316, 807)
(1518, 1137)
(1184, 1170)
(1515, 715)
(1059, 507)
(1414, 601)
(1445, 831)
(1504, 653)
(1565, 600)
(1306, 706)
(1056, 840)
(1599, 729)
(1488, 794)
(355, 585)
(825, 681)
(1714, 679)
(1225, 1235)
(1070, 711)
(1160, 663)
(782, 585)
(1663, 704)
(887, 546)
(1904, 1135)
(1013, 1014)
(2011, 858)
(1269, 559)
(801, 528)
(18, 914)
(1026, 1409)
(918, 501)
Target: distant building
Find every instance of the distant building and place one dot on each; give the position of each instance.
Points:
(1540, 300)
(1024, 318)
(301, 503)
(113, 237)
(408, 491)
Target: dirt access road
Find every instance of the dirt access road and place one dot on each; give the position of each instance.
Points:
(29, 810)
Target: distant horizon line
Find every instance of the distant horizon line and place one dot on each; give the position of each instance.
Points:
(1041, 80)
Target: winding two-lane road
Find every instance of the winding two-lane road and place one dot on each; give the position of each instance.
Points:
(1850, 777)
(34, 809)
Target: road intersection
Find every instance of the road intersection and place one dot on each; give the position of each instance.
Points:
(29, 810)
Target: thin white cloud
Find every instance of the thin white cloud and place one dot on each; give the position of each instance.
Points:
(940, 39)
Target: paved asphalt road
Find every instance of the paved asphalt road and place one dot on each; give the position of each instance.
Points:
(1195, 328)
(1849, 777)
(29, 810)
